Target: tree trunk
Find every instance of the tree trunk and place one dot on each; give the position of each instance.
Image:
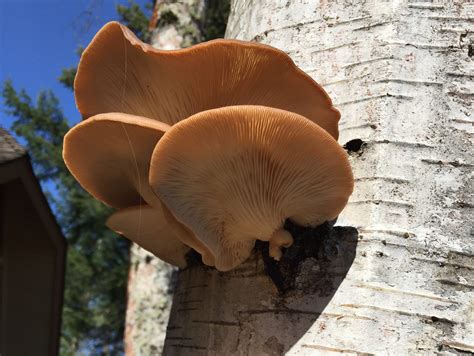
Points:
(401, 75)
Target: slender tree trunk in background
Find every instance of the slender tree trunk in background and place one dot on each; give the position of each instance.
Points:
(149, 297)
(151, 281)
(401, 75)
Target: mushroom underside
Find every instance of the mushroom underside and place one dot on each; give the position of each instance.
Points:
(257, 167)
(252, 144)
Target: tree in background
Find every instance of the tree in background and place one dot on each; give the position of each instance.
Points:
(97, 262)
(136, 19)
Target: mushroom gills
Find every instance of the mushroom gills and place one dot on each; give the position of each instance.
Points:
(233, 175)
(187, 237)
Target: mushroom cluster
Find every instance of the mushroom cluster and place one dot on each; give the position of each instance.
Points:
(211, 147)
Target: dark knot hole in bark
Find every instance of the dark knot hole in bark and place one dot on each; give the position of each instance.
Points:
(354, 145)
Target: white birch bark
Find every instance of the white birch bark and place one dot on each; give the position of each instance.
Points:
(401, 74)
(149, 299)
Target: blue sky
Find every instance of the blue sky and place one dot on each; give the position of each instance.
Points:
(39, 37)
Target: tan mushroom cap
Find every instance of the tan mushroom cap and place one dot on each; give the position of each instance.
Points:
(256, 167)
(119, 73)
(147, 227)
(109, 155)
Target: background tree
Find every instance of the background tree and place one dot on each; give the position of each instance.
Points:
(136, 18)
(97, 262)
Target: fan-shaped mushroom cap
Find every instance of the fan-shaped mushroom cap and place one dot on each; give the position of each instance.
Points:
(148, 228)
(109, 154)
(256, 167)
(119, 73)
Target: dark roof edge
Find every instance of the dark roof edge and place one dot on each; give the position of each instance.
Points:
(10, 149)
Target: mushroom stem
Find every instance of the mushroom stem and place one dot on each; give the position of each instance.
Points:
(280, 238)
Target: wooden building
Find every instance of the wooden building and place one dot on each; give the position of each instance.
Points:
(32, 259)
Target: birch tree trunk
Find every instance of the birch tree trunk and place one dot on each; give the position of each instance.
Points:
(401, 74)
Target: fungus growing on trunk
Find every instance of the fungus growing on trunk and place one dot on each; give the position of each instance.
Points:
(253, 143)
(148, 227)
(119, 73)
(109, 155)
(256, 167)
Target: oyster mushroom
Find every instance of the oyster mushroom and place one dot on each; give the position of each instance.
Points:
(109, 155)
(119, 73)
(256, 167)
(148, 228)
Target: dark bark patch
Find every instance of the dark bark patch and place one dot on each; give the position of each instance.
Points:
(272, 347)
(457, 349)
(320, 244)
(354, 145)
(316, 260)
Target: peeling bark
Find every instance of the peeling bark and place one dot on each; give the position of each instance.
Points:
(401, 74)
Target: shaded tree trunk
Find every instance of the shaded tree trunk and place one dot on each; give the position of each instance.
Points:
(401, 74)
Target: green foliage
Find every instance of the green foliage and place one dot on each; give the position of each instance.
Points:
(96, 272)
(42, 126)
(67, 77)
(69, 74)
(136, 19)
(215, 19)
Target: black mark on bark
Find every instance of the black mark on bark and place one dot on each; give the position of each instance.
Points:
(319, 243)
(354, 145)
